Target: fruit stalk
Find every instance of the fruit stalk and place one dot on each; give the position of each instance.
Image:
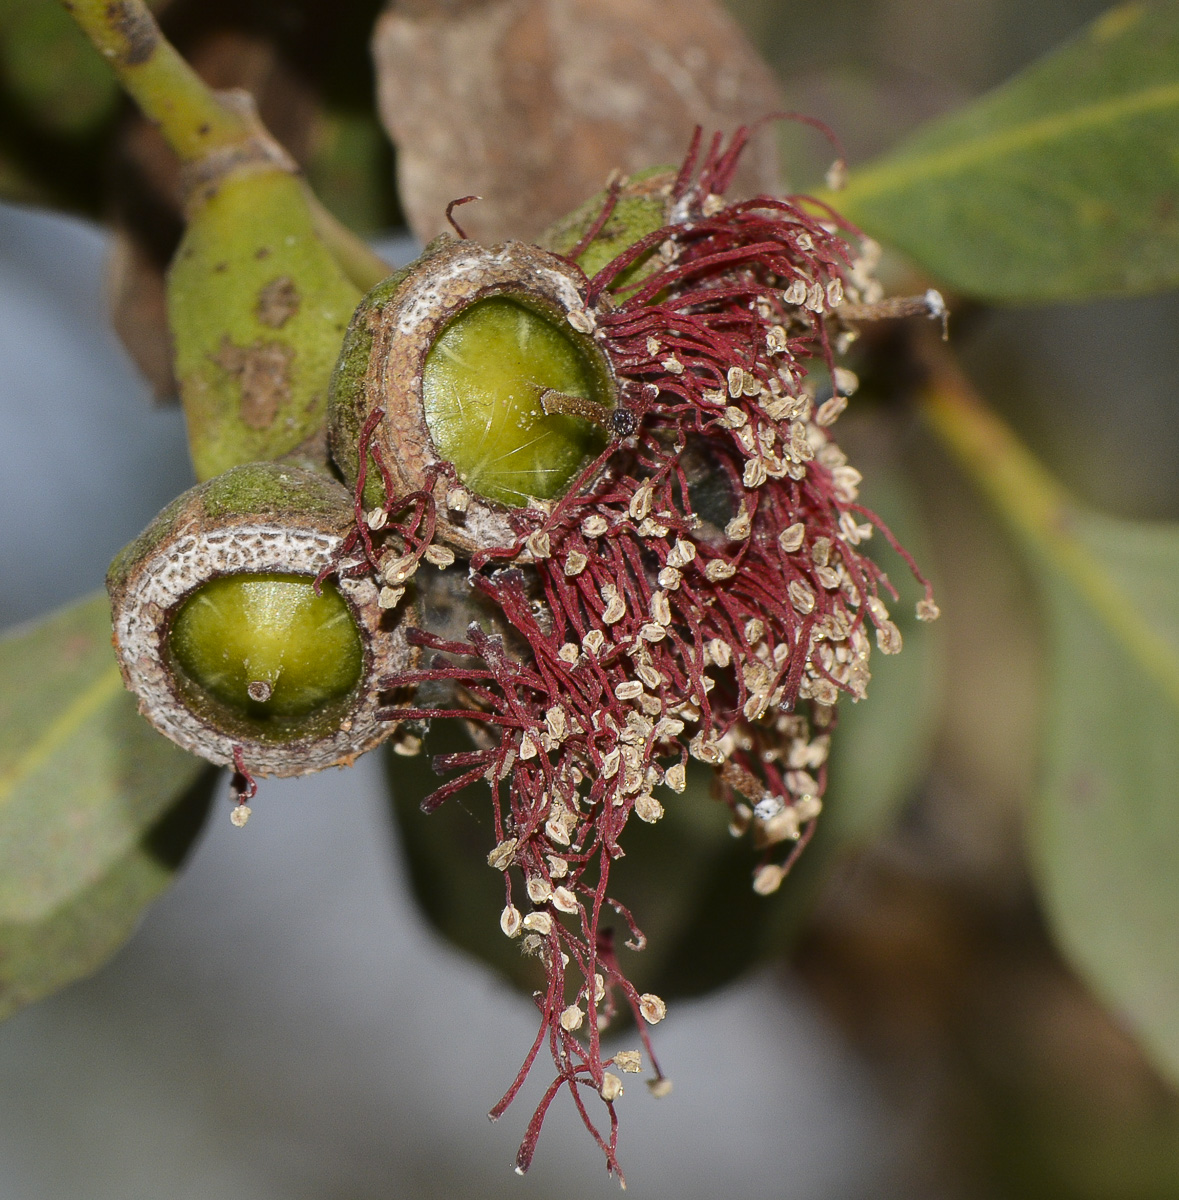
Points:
(264, 280)
(191, 116)
(197, 121)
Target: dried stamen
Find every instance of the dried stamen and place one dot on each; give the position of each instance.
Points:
(697, 591)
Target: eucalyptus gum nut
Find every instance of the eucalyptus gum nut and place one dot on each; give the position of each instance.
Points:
(253, 524)
(347, 406)
(257, 309)
(387, 363)
(643, 206)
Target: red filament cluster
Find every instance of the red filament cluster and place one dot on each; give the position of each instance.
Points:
(699, 592)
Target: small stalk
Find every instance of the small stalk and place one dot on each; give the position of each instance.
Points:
(554, 403)
(189, 114)
(1040, 511)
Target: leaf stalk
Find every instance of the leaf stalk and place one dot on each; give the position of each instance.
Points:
(1041, 512)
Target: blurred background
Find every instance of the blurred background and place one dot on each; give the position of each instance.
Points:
(285, 1023)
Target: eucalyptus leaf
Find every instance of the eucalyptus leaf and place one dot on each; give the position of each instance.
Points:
(1060, 185)
(97, 811)
(1104, 833)
(1106, 829)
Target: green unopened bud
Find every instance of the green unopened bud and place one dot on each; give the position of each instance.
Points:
(641, 206)
(221, 631)
(257, 307)
(481, 359)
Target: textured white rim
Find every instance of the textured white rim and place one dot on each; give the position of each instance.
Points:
(447, 284)
(179, 566)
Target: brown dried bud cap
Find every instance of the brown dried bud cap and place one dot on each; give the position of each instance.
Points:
(515, 416)
(270, 530)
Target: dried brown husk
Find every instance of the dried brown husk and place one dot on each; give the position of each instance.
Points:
(531, 104)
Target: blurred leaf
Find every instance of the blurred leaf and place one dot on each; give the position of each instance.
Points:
(97, 810)
(1060, 185)
(51, 70)
(532, 103)
(1106, 833)
(58, 101)
(686, 880)
(1105, 830)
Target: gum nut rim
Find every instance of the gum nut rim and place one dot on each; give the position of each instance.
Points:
(441, 286)
(183, 562)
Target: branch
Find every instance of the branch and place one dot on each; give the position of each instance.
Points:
(192, 117)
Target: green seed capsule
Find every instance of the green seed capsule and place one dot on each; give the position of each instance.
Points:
(267, 646)
(220, 633)
(487, 382)
(481, 365)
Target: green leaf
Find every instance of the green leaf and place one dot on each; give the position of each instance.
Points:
(1106, 830)
(1104, 834)
(97, 810)
(1060, 185)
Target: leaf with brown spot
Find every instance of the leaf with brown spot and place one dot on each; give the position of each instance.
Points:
(532, 103)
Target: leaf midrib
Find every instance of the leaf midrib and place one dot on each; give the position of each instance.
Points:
(898, 172)
(1046, 518)
(59, 731)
